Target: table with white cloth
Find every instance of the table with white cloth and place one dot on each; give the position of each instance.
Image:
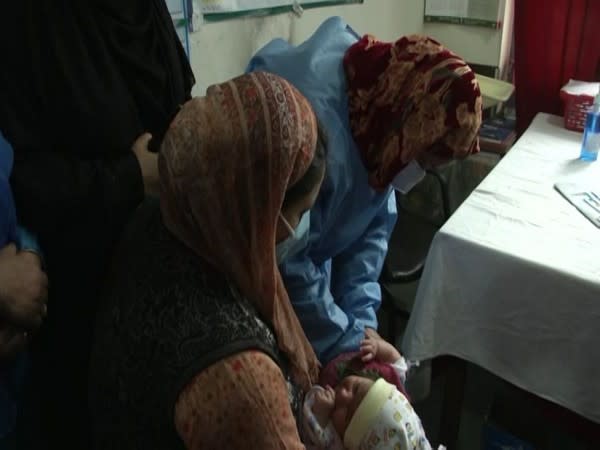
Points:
(512, 280)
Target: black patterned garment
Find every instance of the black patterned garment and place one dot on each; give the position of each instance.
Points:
(164, 318)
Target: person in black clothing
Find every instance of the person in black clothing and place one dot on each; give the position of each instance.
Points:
(84, 85)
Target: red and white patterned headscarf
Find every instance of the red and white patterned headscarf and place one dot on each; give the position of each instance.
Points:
(410, 100)
(225, 165)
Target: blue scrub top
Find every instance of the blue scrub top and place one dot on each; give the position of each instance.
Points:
(8, 217)
(332, 283)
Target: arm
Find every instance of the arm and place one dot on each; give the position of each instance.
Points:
(317, 430)
(27, 242)
(335, 307)
(55, 189)
(240, 402)
(356, 271)
(323, 404)
(375, 347)
(328, 328)
(23, 288)
(378, 349)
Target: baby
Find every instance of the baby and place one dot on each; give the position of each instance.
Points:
(363, 404)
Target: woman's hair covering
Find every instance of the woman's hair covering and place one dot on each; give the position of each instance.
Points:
(225, 165)
(410, 100)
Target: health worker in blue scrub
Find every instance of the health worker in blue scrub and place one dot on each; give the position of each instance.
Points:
(389, 111)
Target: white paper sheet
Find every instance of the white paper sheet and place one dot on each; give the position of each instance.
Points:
(584, 197)
(471, 9)
(575, 87)
(450, 8)
(179, 16)
(226, 6)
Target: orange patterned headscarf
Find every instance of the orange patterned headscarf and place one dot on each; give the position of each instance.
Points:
(225, 165)
(410, 100)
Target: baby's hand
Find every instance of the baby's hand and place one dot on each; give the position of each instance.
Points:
(369, 348)
(323, 405)
(374, 346)
(370, 332)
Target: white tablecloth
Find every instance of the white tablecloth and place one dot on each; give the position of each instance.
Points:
(512, 281)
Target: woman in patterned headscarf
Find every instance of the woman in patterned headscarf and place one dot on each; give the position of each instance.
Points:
(389, 110)
(196, 337)
(411, 100)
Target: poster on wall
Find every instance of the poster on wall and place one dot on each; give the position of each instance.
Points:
(179, 14)
(487, 13)
(223, 9)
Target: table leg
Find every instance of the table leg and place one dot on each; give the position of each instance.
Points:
(454, 387)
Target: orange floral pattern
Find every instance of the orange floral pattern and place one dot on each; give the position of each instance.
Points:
(410, 100)
(225, 165)
(240, 402)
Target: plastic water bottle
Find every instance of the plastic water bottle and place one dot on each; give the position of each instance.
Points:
(591, 135)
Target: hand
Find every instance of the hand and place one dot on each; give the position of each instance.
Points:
(323, 405)
(148, 162)
(12, 341)
(370, 332)
(369, 348)
(375, 347)
(23, 288)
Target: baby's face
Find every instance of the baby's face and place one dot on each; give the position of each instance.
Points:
(348, 395)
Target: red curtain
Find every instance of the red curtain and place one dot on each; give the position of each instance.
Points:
(554, 40)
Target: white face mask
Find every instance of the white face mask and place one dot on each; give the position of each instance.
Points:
(408, 177)
(296, 241)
